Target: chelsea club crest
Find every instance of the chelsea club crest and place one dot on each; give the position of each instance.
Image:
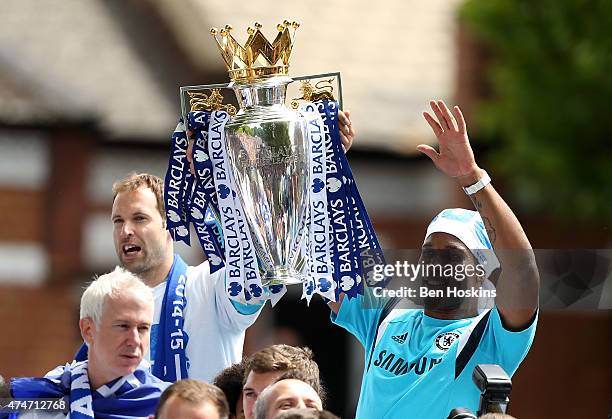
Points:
(445, 340)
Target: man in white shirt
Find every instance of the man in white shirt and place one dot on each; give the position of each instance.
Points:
(197, 330)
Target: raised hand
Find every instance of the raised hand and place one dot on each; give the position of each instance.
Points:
(347, 133)
(455, 157)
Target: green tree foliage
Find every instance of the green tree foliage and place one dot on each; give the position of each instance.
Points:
(550, 120)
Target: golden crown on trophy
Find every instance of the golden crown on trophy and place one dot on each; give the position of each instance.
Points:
(258, 58)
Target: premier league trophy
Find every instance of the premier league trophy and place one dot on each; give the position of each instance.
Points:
(272, 198)
(267, 148)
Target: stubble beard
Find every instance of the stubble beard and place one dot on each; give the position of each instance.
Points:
(145, 266)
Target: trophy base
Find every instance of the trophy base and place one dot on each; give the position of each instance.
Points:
(282, 276)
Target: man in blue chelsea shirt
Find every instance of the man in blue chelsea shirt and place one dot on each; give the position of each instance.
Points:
(419, 362)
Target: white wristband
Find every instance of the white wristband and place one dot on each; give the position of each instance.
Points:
(484, 181)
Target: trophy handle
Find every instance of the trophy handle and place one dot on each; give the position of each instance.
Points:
(312, 88)
(323, 88)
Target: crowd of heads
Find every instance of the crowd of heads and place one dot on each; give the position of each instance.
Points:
(279, 381)
(275, 379)
(270, 364)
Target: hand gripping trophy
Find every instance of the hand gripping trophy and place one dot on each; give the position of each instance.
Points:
(272, 198)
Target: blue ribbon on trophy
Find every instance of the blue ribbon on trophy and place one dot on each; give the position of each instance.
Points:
(242, 271)
(346, 260)
(176, 184)
(273, 199)
(205, 206)
(320, 260)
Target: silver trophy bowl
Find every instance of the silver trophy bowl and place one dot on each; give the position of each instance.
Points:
(268, 153)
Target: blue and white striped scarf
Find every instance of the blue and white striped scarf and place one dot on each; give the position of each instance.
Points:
(131, 396)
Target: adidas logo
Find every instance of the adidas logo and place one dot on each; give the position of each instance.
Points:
(400, 338)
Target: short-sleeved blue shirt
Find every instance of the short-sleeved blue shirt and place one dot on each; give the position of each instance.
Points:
(421, 367)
